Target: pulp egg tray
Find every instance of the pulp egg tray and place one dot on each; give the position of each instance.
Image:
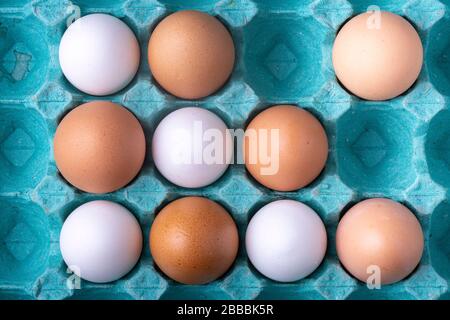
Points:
(399, 149)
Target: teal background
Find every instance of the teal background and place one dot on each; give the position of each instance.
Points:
(398, 149)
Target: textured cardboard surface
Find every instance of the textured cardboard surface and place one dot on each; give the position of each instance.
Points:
(397, 149)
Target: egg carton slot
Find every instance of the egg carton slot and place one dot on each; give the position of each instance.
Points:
(397, 149)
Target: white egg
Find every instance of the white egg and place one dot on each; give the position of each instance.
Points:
(192, 147)
(101, 241)
(99, 54)
(286, 240)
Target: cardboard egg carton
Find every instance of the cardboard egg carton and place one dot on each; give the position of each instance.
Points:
(396, 149)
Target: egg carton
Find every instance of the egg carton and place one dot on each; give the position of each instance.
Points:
(397, 149)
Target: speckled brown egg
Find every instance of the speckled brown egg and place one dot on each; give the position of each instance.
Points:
(193, 240)
(285, 148)
(191, 54)
(379, 238)
(99, 147)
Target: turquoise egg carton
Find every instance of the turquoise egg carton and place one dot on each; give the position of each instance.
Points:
(398, 149)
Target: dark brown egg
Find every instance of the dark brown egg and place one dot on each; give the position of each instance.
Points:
(194, 240)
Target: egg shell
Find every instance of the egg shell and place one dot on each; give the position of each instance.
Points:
(381, 233)
(99, 147)
(286, 240)
(191, 54)
(194, 240)
(101, 241)
(99, 54)
(377, 59)
(303, 148)
(180, 150)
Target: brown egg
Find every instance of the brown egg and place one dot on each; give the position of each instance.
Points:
(193, 240)
(99, 147)
(290, 160)
(191, 54)
(381, 233)
(377, 55)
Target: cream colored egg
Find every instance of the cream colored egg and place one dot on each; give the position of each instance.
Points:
(377, 55)
(379, 239)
